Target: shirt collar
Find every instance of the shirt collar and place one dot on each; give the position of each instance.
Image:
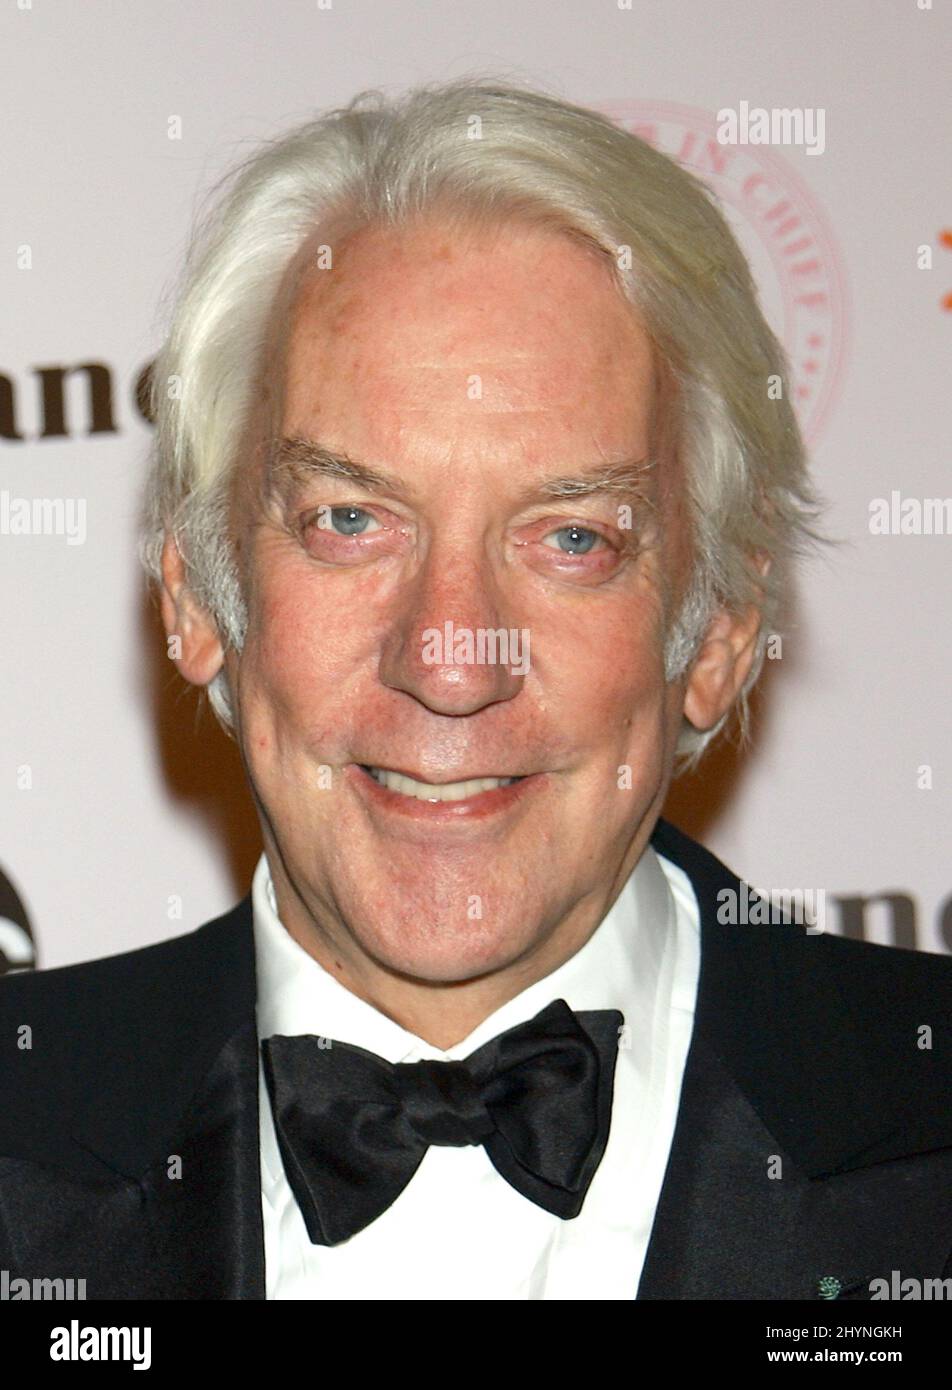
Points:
(619, 967)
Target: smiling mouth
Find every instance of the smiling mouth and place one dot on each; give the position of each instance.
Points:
(436, 791)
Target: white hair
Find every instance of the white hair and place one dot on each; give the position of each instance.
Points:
(490, 151)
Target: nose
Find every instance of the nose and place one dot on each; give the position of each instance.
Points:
(452, 645)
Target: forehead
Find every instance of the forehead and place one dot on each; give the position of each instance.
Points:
(511, 316)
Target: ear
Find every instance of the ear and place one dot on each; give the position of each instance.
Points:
(198, 652)
(722, 664)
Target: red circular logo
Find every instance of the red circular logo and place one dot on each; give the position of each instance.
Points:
(782, 230)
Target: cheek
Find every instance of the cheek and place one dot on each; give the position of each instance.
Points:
(619, 680)
(307, 673)
(291, 627)
(291, 658)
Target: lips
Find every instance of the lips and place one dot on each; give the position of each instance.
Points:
(461, 790)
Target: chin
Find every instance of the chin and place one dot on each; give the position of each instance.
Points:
(445, 956)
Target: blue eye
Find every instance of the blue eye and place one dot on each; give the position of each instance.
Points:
(348, 521)
(581, 539)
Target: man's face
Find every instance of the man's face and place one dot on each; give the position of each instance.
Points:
(467, 370)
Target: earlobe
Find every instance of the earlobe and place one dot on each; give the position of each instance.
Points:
(725, 659)
(721, 667)
(198, 651)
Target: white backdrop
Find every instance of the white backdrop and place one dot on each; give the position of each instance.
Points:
(113, 801)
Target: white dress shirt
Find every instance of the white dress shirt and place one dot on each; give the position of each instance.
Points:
(458, 1230)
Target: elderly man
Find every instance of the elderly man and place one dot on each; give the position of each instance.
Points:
(473, 504)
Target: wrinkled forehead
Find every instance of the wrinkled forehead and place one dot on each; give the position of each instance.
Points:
(472, 320)
(448, 291)
(498, 336)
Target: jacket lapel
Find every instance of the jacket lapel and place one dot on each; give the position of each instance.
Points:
(203, 1201)
(782, 1182)
(189, 1163)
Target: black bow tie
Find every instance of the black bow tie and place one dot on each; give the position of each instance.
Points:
(353, 1128)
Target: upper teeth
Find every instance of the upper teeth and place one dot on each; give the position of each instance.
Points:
(433, 791)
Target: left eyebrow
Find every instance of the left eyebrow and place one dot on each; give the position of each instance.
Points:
(618, 479)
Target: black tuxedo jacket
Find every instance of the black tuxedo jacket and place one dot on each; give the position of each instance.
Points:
(805, 1052)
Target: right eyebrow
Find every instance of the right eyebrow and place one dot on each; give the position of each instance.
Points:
(295, 460)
